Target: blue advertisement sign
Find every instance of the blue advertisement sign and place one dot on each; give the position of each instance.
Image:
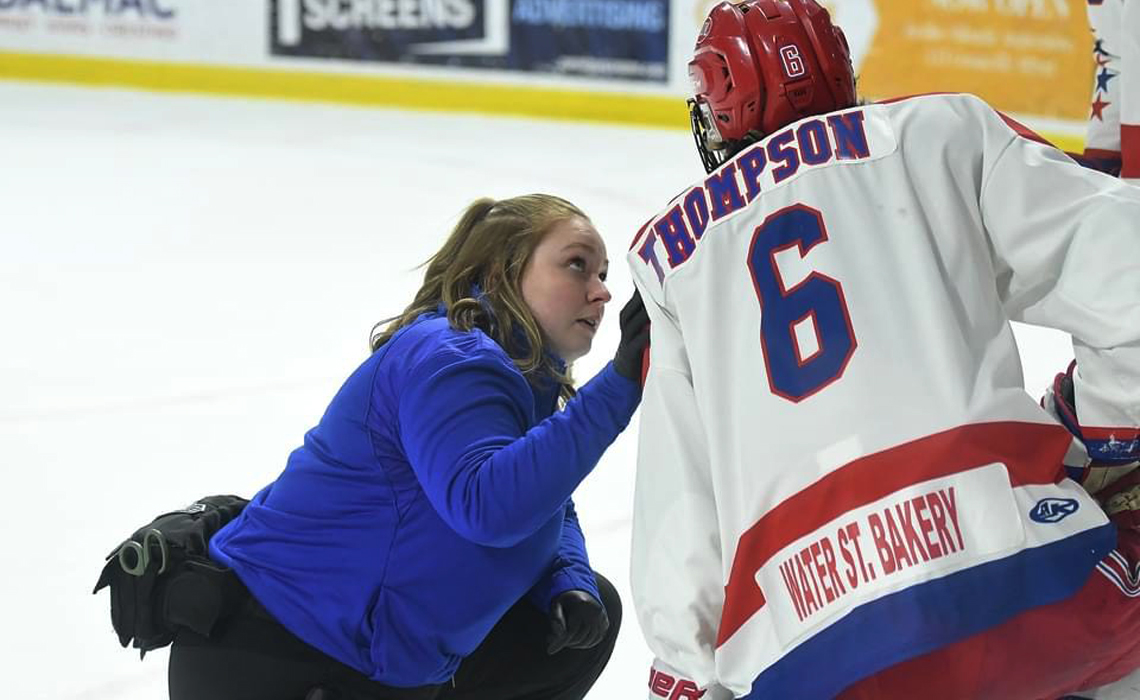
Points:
(615, 39)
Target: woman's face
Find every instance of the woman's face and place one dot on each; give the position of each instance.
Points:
(564, 286)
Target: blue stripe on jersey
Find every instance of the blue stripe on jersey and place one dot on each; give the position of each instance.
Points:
(1113, 451)
(928, 616)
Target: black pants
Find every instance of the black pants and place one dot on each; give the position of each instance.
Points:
(254, 658)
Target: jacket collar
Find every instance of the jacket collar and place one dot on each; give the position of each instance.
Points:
(517, 335)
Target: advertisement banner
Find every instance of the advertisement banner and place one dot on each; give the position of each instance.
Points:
(611, 39)
(1024, 56)
(192, 31)
(107, 22)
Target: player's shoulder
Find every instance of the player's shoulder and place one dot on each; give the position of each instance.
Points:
(957, 118)
(946, 107)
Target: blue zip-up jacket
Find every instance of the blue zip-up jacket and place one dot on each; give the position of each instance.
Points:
(432, 496)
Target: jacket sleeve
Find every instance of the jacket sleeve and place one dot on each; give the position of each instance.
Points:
(464, 421)
(1067, 255)
(676, 571)
(571, 569)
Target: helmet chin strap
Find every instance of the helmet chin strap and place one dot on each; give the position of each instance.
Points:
(731, 148)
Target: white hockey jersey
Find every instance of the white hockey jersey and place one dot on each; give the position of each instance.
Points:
(839, 467)
(1114, 115)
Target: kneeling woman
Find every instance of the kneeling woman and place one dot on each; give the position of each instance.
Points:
(422, 543)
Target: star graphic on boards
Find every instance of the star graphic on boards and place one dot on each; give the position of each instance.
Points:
(1098, 108)
(1102, 79)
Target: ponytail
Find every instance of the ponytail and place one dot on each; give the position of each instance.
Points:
(488, 250)
(432, 293)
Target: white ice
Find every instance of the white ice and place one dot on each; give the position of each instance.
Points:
(184, 283)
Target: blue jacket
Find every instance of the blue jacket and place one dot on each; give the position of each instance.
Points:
(431, 497)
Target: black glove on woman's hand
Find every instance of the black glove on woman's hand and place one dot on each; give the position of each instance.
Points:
(634, 321)
(577, 621)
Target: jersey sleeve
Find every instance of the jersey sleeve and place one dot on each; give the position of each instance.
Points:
(1067, 255)
(676, 567)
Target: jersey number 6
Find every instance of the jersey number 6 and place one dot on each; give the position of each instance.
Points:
(798, 365)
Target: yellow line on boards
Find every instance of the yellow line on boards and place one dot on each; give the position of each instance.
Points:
(1072, 144)
(368, 90)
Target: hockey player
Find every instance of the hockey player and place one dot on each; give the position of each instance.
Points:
(1113, 137)
(843, 487)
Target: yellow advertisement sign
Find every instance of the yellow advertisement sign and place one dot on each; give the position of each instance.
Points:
(1027, 56)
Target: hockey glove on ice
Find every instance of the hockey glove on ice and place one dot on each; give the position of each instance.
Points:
(634, 321)
(577, 621)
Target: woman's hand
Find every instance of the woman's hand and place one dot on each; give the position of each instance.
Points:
(577, 621)
(634, 321)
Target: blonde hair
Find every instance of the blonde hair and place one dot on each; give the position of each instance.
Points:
(490, 248)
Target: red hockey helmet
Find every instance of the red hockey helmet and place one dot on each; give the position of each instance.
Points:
(761, 64)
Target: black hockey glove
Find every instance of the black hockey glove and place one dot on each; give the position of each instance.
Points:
(634, 321)
(162, 579)
(577, 621)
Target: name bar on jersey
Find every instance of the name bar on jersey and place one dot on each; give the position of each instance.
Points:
(806, 144)
(915, 530)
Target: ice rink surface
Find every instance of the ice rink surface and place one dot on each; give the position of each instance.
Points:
(184, 283)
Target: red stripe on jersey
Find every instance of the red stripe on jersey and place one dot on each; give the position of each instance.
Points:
(1102, 153)
(1121, 434)
(1032, 453)
(1023, 130)
(1130, 150)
